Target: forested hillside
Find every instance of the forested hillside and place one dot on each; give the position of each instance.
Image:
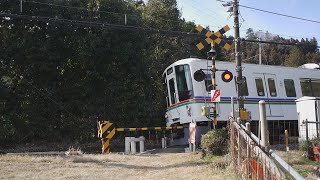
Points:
(67, 64)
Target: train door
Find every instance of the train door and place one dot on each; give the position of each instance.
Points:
(267, 89)
(171, 79)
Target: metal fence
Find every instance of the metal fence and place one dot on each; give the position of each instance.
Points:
(253, 161)
(309, 130)
(250, 160)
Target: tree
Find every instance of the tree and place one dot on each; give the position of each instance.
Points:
(295, 58)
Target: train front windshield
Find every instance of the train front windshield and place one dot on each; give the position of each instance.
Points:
(184, 82)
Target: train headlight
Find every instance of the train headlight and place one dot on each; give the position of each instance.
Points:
(226, 76)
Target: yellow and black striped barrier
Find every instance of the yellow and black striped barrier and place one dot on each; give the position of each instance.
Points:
(106, 131)
(149, 128)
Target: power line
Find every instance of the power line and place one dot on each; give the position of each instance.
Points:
(99, 24)
(294, 17)
(101, 11)
(135, 28)
(202, 13)
(151, 17)
(278, 43)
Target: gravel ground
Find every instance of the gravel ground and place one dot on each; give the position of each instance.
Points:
(171, 163)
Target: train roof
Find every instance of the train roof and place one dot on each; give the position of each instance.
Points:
(192, 60)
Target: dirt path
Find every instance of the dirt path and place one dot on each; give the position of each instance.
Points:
(155, 165)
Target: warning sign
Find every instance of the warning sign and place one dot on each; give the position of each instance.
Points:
(215, 96)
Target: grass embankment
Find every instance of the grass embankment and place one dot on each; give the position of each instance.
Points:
(303, 165)
(114, 166)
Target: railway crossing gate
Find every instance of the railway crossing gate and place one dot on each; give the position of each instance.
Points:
(106, 132)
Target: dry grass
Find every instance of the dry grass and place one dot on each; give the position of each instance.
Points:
(112, 166)
(303, 165)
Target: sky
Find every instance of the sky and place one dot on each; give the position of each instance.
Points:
(212, 13)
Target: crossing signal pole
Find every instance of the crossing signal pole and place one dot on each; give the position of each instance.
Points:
(213, 38)
(212, 54)
(238, 54)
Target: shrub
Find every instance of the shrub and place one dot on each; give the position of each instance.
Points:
(304, 145)
(215, 142)
(315, 141)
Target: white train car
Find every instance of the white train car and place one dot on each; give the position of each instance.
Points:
(278, 86)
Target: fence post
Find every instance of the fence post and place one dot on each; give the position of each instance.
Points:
(264, 125)
(232, 107)
(232, 139)
(248, 150)
(307, 138)
(286, 134)
(264, 131)
(239, 148)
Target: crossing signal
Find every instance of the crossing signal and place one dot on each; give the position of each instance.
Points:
(226, 76)
(199, 75)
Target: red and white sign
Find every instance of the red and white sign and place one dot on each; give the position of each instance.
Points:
(215, 96)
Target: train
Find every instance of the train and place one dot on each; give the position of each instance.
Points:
(278, 86)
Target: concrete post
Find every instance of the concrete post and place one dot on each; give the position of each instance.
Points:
(133, 147)
(164, 143)
(142, 143)
(127, 145)
(194, 147)
(232, 107)
(264, 131)
(264, 125)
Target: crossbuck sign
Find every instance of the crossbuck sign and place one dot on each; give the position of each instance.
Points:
(215, 96)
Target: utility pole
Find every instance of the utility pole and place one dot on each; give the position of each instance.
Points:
(238, 54)
(260, 58)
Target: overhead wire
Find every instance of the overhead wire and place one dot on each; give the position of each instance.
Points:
(149, 17)
(202, 13)
(279, 14)
(132, 28)
(97, 24)
(128, 15)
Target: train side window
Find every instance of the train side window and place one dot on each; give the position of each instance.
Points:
(259, 86)
(316, 87)
(272, 87)
(289, 87)
(172, 91)
(306, 87)
(169, 71)
(244, 85)
(184, 82)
